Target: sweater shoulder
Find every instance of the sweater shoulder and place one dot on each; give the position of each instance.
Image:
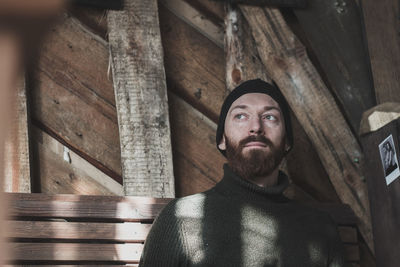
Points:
(188, 206)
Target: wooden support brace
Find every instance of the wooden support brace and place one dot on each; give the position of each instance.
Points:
(141, 97)
(285, 59)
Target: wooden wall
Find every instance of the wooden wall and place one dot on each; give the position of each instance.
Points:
(72, 104)
(74, 125)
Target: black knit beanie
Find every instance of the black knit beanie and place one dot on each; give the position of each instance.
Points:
(255, 86)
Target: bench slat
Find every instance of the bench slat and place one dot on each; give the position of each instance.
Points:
(124, 232)
(65, 265)
(86, 207)
(67, 252)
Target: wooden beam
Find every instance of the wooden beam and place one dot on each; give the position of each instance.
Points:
(17, 158)
(60, 170)
(191, 16)
(194, 65)
(197, 162)
(241, 54)
(95, 19)
(210, 9)
(382, 34)
(341, 52)
(141, 96)
(274, 3)
(286, 61)
(72, 97)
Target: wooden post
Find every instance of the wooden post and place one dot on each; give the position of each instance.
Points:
(285, 59)
(141, 97)
(380, 128)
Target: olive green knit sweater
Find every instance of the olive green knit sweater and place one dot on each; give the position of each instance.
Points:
(237, 223)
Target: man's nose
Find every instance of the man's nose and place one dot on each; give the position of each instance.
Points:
(256, 126)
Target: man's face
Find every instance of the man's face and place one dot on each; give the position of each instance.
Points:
(254, 137)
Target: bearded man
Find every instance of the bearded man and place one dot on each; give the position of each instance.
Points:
(245, 220)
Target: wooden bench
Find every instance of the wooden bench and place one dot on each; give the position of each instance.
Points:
(104, 230)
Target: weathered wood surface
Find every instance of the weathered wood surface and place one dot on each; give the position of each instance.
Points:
(305, 168)
(194, 65)
(190, 15)
(197, 162)
(382, 35)
(274, 3)
(341, 52)
(59, 170)
(73, 99)
(378, 116)
(384, 199)
(94, 19)
(242, 60)
(69, 265)
(141, 96)
(85, 207)
(71, 231)
(9, 70)
(285, 59)
(213, 11)
(17, 174)
(70, 252)
(348, 234)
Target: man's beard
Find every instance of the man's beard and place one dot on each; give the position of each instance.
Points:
(256, 162)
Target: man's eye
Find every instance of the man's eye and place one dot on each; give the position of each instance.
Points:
(240, 116)
(270, 117)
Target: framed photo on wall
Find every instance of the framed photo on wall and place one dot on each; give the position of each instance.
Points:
(389, 160)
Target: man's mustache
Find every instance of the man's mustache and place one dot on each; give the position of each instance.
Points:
(255, 138)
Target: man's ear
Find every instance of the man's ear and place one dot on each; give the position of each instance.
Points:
(222, 144)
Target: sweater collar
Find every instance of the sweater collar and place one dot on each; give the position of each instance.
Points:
(233, 185)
